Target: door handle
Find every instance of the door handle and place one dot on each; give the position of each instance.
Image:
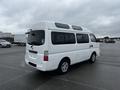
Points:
(91, 46)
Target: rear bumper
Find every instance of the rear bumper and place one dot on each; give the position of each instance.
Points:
(41, 67)
(35, 65)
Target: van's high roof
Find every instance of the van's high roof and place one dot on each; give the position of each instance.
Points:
(56, 25)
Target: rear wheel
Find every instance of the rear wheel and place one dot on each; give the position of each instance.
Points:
(63, 66)
(93, 58)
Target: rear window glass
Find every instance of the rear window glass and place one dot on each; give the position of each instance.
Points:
(82, 38)
(3, 41)
(36, 37)
(63, 38)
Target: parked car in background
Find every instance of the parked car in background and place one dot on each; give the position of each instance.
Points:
(4, 43)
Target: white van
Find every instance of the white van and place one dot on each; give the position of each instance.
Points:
(52, 45)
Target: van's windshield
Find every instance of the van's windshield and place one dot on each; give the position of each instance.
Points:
(36, 37)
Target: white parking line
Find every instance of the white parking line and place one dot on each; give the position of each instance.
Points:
(81, 83)
(13, 79)
(109, 63)
(14, 68)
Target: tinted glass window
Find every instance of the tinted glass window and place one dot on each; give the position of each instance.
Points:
(36, 37)
(76, 27)
(63, 38)
(60, 25)
(3, 41)
(93, 38)
(82, 38)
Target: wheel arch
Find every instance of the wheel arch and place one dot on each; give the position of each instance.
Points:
(65, 58)
(94, 52)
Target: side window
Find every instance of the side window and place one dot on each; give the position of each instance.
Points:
(57, 38)
(93, 38)
(69, 38)
(82, 38)
(62, 38)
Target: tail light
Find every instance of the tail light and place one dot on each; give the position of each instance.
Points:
(45, 56)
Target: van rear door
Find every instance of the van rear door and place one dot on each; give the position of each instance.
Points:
(35, 46)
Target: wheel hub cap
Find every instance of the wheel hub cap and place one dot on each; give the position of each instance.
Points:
(64, 67)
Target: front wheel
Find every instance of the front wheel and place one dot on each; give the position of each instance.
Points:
(9, 46)
(63, 66)
(0, 45)
(93, 58)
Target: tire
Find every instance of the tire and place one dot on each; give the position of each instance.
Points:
(0, 46)
(63, 67)
(93, 58)
(9, 46)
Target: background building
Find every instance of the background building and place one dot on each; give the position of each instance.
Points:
(108, 39)
(7, 36)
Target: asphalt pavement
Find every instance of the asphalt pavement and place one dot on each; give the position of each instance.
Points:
(104, 74)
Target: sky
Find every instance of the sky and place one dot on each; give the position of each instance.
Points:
(102, 17)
